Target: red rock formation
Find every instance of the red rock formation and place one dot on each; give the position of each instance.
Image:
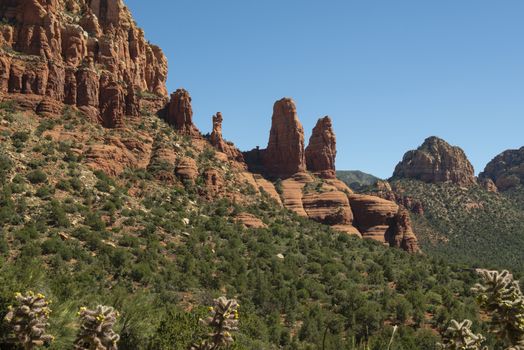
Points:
(180, 113)
(250, 221)
(384, 190)
(400, 233)
(187, 170)
(330, 208)
(506, 170)
(284, 155)
(214, 183)
(220, 144)
(116, 154)
(372, 215)
(84, 53)
(488, 185)
(436, 161)
(322, 149)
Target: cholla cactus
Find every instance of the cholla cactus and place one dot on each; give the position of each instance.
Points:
(28, 320)
(96, 329)
(223, 320)
(460, 337)
(500, 296)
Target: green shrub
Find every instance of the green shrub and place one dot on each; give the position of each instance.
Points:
(36, 177)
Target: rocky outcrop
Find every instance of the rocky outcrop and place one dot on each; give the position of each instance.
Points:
(488, 184)
(400, 233)
(384, 190)
(214, 183)
(180, 113)
(506, 170)
(436, 161)
(88, 54)
(322, 150)
(116, 154)
(330, 207)
(291, 192)
(220, 144)
(187, 170)
(372, 215)
(285, 155)
(250, 221)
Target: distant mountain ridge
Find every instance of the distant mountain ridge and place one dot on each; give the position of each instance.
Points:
(356, 179)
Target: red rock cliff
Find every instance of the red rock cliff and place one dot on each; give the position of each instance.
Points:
(87, 53)
(285, 155)
(322, 149)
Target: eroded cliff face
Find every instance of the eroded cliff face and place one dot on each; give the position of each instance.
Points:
(85, 53)
(436, 161)
(89, 54)
(505, 171)
(322, 149)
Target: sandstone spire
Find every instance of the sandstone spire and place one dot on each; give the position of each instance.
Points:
(322, 149)
(285, 154)
(222, 145)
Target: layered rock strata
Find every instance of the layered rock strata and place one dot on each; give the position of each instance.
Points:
(88, 54)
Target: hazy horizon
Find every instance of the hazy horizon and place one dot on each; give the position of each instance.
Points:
(388, 73)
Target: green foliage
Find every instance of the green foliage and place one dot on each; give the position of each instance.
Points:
(19, 138)
(177, 331)
(470, 226)
(37, 177)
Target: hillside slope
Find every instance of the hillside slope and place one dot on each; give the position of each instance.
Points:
(144, 240)
(469, 225)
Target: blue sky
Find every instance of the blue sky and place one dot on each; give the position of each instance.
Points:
(389, 72)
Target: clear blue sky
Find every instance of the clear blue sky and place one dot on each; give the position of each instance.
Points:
(388, 72)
